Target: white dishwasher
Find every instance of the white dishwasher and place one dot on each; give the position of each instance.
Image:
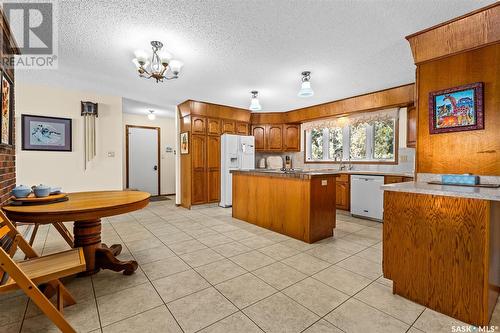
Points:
(367, 199)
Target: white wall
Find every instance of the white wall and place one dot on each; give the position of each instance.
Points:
(66, 169)
(167, 162)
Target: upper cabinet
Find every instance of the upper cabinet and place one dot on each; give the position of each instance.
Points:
(213, 126)
(291, 137)
(241, 128)
(276, 137)
(259, 132)
(228, 126)
(411, 136)
(198, 125)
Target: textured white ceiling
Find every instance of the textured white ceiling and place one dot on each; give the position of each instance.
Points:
(232, 47)
(142, 108)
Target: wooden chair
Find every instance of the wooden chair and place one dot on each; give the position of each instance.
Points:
(37, 271)
(59, 226)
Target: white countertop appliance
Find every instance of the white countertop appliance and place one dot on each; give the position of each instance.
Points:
(367, 198)
(237, 153)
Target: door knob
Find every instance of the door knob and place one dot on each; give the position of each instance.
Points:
(155, 167)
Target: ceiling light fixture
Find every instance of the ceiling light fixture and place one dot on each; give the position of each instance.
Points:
(254, 104)
(305, 89)
(159, 64)
(151, 115)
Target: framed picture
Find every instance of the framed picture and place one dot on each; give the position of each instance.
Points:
(456, 109)
(7, 116)
(45, 133)
(185, 143)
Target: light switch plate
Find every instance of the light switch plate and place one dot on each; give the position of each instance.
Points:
(324, 182)
(111, 154)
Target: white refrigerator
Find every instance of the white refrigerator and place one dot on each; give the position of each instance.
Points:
(237, 153)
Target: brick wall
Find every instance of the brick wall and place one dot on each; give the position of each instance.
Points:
(7, 153)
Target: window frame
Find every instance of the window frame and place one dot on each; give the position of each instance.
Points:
(370, 147)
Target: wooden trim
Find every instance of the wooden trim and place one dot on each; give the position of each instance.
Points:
(158, 133)
(467, 32)
(216, 104)
(452, 20)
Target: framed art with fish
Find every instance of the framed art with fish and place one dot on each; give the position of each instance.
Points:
(456, 109)
(45, 133)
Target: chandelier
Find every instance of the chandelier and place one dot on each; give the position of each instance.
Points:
(160, 66)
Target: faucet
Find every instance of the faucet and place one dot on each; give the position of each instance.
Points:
(349, 165)
(341, 165)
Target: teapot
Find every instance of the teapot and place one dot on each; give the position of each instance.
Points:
(41, 190)
(21, 191)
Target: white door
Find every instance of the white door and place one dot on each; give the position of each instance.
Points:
(143, 159)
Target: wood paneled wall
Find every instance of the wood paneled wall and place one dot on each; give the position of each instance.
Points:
(469, 52)
(7, 153)
(476, 152)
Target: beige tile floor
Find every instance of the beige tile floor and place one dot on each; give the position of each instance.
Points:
(202, 271)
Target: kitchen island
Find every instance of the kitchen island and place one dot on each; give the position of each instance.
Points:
(298, 204)
(441, 247)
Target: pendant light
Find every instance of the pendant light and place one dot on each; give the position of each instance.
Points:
(151, 115)
(305, 89)
(254, 104)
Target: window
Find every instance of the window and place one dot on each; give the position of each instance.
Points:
(335, 146)
(357, 138)
(364, 141)
(317, 144)
(383, 139)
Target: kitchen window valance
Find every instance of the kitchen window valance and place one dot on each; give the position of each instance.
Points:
(352, 119)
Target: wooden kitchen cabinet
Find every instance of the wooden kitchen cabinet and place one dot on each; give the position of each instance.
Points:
(198, 162)
(274, 137)
(343, 192)
(213, 169)
(198, 146)
(214, 126)
(291, 137)
(241, 128)
(411, 129)
(228, 126)
(199, 125)
(259, 132)
(200, 167)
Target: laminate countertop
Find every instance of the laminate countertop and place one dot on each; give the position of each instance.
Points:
(307, 174)
(481, 193)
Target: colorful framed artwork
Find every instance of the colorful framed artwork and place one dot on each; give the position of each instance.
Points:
(185, 143)
(456, 109)
(7, 116)
(45, 133)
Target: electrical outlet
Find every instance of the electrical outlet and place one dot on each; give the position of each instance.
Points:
(324, 182)
(111, 154)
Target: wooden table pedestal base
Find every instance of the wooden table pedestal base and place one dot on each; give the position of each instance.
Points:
(98, 256)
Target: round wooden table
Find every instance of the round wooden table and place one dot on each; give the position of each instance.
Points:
(86, 209)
